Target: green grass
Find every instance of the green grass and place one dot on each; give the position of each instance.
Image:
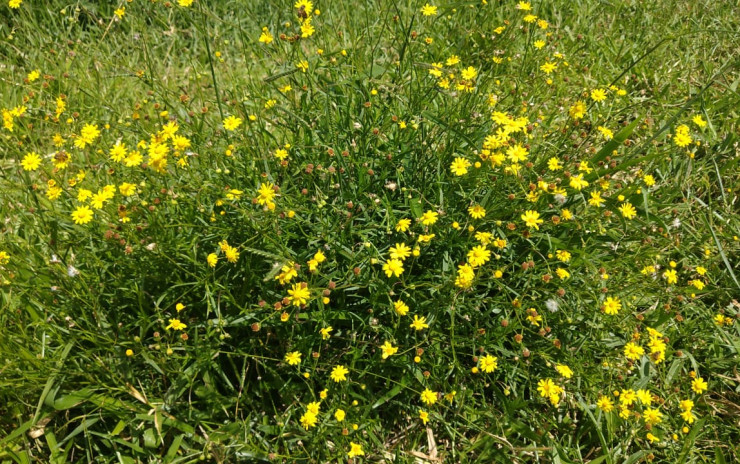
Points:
(370, 136)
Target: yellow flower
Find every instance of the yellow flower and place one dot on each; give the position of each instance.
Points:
(326, 332)
(460, 166)
(313, 407)
(605, 404)
(682, 138)
(287, 273)
(133, 159)
(699, 121)
(532, 219)
(699, 385)
(488, 363)
(118, 152)
(306, 5)
(339, 373)
(477, 212)
(265, 36)
(88, 134)
(633, 351)
(307, 30)
(393, 267)
(688, 416)
(127, 189)
(469, 73)
(424, 416)
(627, 210)
(293, 358)
(212, 259)
(612, 306)
(175, 324)
(596, 199)
(232, 254)
(671, 276)
(299, 294)
(429, 10)
(578, 110)
(578, 182)
(517, 153)
(645, 397)
(82, 215)
(31, 162)
(465, 276)
(428, 397)
(308, 419)
(232, 123)
(355, 450)
(266, 193)
(548, 67)
(403, 225)
(548, 388)
(607, 133)
(429, 218)
(185, 3)
(400, 307)
(419, 323)
(339, 415)
(554, 164)
(564, 370)
(479, 256)
(388, 349)
(652, 416)
(598, 95)
(627, 397)
(424, 238)
(400, 252)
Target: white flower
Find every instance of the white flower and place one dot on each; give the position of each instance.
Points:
(551, 305)
(72, 271)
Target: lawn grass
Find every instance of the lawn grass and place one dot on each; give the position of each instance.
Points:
(187, 319)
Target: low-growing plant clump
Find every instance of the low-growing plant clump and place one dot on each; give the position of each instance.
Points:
(484, 231)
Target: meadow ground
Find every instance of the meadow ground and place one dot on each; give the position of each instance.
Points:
(369, 231)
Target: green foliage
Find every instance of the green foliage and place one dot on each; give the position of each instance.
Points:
(123, 343)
